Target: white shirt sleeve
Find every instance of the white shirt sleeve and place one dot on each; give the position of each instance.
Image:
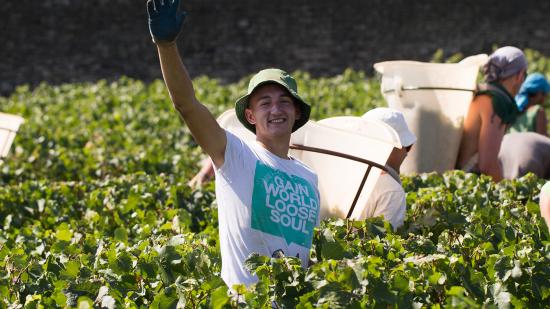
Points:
(391, 205)
(388, 199)
(235, 156)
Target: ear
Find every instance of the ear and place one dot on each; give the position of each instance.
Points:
(522, 75)
(249, 116)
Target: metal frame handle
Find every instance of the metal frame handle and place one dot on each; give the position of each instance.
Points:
(403, 88)
(349, 157)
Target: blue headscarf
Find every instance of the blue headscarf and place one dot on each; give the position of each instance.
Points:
(533, 84)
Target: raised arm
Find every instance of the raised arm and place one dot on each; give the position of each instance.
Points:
(164, 24)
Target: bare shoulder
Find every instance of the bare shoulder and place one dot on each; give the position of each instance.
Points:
(484, 106)
(480, 106)
(483, 103)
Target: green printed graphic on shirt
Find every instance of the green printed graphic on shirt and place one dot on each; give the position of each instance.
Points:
(284, 205)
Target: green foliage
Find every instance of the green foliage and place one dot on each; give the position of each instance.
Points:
(77, 132)
(95, 212)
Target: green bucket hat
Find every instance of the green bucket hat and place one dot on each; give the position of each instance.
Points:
(272, 76)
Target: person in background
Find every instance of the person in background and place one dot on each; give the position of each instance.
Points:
(268, 202)
(530, 101)
(388, 198)
(491, 112)
(544, 201)
(206, 173)
(527, 147)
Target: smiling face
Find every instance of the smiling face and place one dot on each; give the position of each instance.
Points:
(272, 110)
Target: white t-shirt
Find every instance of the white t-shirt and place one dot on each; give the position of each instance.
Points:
(388, 200)
(266, 204)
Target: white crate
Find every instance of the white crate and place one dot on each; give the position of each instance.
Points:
(9, 124)
(434, 98)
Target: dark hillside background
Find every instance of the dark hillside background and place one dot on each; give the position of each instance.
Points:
(68, 40)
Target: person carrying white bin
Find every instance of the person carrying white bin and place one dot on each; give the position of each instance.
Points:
(434, 99)
(491, 112)
(388, 199)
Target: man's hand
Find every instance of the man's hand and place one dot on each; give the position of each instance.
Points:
(164, 20)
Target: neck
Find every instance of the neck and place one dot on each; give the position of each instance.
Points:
(394, 166)
(277, 146)
(396, 158)
(510, 86)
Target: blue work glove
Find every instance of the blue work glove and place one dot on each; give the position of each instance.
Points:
(164, 20)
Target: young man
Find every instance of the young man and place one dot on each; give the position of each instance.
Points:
(268, 202)
(491, 112)
(530, 102)
(388, 197)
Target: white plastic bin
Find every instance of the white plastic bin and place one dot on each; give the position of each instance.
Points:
(434, 98)
(339, 178)
(9, 124)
